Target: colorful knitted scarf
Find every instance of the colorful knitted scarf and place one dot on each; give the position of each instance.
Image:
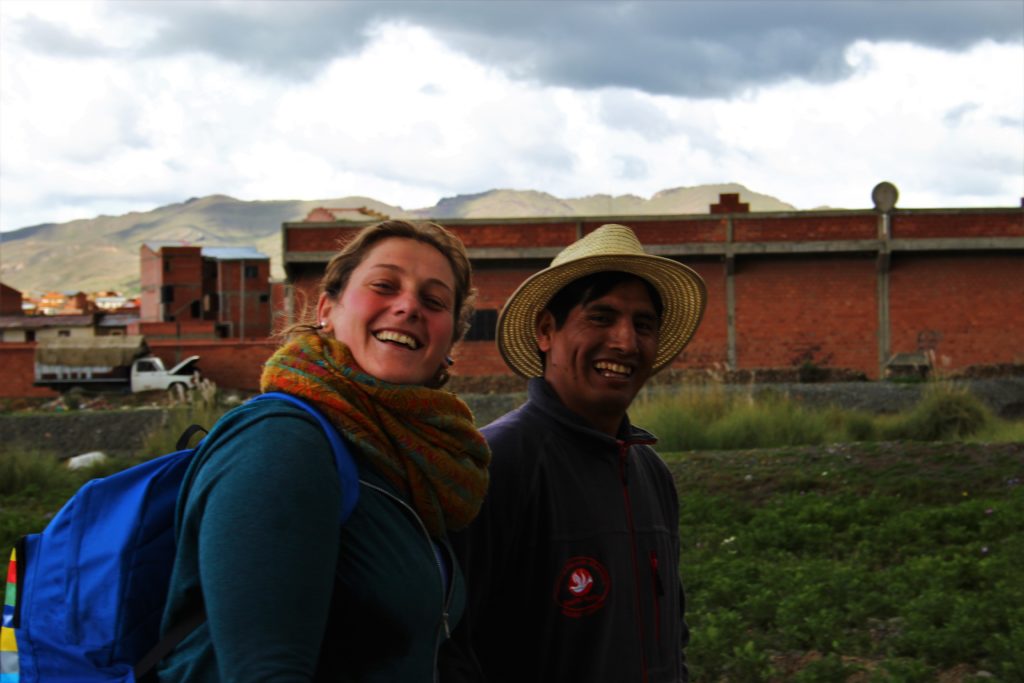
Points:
(422, 440)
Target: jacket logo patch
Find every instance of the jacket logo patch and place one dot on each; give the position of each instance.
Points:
(582, 587)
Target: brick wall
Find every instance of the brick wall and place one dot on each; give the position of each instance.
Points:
(815, 309)
(244, 302)
(475, 358)
(938, 224)
(517, 235)
(18, 363)
(229, 363)
(675, 231)
(10, 300)
(968, 309)
(708, 348)
(312, 238)
(495, 284)
(815, 227)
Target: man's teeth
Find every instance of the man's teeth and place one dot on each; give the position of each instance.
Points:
(605, 366)
(398, 337)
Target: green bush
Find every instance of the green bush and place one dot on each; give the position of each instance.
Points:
(709, 418)
(944, 413)
(30, 472)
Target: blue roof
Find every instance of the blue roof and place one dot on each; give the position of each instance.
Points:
(233, 253)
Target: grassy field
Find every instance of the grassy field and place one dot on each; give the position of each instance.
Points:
(891, 561)
(817, 545)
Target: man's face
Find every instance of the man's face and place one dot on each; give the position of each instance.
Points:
(603, 354)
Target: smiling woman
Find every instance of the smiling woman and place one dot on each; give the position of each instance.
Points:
(399, 296)
(373, 602)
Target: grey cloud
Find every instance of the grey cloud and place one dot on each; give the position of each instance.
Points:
(551, 158)
(624, 110)
(54, 39)
(698, 48)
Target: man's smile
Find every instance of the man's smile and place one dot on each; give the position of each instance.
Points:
(614, 370)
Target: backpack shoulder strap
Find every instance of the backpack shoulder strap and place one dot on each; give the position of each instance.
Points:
(348, 474)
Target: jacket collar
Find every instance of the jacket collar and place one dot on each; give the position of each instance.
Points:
(545, 399)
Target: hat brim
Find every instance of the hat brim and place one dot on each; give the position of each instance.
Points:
(682, 291)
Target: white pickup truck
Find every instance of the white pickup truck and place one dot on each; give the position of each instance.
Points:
(116, 363)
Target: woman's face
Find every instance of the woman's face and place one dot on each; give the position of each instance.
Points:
(396, 312)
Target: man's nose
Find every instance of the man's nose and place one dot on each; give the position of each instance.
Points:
(623, 337)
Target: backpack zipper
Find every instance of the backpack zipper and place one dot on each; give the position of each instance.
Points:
(446, 591)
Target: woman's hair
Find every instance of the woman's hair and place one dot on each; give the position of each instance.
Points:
(341, 266)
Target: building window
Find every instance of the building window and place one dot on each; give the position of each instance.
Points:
(30, 335)
(483, 325)
(63, 333)
(264, 298)
(251, 272)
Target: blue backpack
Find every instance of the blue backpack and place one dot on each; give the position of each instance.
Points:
(86, 596)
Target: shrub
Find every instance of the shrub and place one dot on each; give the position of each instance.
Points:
(944, 413)
(859, 427)
(201, 407)
(30, 472)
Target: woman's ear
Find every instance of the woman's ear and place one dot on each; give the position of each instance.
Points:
(324, 306)
(545, 326)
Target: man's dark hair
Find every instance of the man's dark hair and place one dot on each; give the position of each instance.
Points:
(592, 287)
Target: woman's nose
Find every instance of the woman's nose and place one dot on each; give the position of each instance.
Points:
(406, 303)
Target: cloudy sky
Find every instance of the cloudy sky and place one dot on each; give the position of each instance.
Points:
(112, 107)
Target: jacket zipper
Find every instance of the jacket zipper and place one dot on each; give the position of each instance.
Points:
(659, 591)
(446, 591)
(623, 471)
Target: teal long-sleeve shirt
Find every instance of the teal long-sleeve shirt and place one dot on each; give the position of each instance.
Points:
(289, 596)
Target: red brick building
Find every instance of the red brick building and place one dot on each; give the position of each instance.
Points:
(10, 300)
(840, 288)
(204, 292)
(836, 289)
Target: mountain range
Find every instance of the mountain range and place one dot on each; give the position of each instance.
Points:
(102, 253)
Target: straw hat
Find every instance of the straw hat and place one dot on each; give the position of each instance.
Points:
(609, 248)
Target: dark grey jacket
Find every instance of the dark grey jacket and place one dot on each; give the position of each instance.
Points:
(572, 565)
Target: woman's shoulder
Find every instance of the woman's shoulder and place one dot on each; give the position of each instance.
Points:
(265, 417)
(264, 435)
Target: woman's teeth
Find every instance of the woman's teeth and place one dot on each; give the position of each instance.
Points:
(398, 338)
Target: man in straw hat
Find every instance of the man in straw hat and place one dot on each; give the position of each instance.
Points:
(572, 564)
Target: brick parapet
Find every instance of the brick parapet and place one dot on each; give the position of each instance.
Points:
(963, 223)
